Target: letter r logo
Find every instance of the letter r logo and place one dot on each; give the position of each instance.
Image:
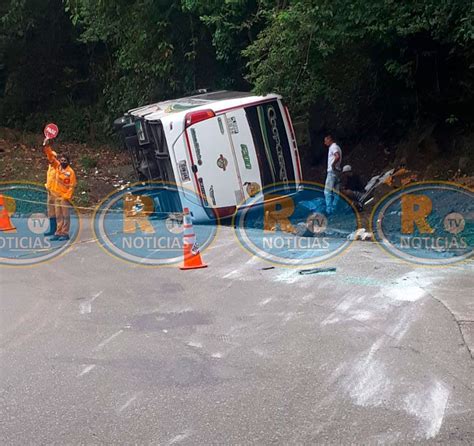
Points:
(415, 209)
(136, 212)
(277, 211)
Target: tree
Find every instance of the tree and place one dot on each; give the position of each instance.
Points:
(149, 50)
(370, 67)
(372, 62)
(43, 63)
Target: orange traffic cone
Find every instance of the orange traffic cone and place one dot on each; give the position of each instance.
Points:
(192, 256)
(5, 222)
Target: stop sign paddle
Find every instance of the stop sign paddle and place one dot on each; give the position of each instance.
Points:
(51, 131)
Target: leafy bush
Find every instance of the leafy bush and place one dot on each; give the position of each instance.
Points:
(375, 62)
(368, 67)
(88, 162)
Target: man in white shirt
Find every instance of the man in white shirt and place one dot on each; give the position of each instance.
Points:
(333, 182)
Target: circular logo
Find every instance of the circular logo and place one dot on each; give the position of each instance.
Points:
(38, 223)
(174, 224)
(317, 223)
(222, 162)
(454, 223)
(25, 232)
(288, 224)
(143, 224)
(426, 223)
(252, 188)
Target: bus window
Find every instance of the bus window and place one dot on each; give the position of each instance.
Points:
(271, 143)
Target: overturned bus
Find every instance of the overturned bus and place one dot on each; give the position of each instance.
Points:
(223, 146)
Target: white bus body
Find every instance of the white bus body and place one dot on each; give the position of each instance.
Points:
(223, 146)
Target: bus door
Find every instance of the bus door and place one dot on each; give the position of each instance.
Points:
(245, 154)
(213, 163)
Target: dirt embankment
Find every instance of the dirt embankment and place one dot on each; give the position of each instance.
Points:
(100, 170)
(426, 155)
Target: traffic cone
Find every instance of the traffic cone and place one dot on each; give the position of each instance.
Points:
(5, 222)
(192, 256)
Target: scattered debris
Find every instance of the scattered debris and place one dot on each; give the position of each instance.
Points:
(303, 231)
(401, 177)
(378, 179)
(317, 270)
(464, 181)
(361, 234)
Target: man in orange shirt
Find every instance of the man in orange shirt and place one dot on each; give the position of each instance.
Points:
(63, 183)
(50, 177)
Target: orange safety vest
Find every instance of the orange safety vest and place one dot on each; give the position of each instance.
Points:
(59, 181)
(50, 174)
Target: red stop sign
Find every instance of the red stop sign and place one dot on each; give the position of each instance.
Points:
(51, 131)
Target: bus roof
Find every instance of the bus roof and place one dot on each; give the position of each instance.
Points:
(225, 99)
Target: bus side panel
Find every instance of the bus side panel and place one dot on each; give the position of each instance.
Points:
(244, 150)
(184, 176)
(216, 173)
(182, 163)
(188, 194)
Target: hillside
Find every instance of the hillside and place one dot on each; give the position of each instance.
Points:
(100, 170)
(103, 169)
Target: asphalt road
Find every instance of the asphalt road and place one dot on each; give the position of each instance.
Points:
(98, 351)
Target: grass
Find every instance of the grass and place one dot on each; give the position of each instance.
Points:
(29, 139)
(81, 194)
(87, 162)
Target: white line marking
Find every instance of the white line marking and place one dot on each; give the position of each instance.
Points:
(289, 276)
(130, 401)
(234, 273)
(265, 301)
(259, 352)
(86, 370)
(407, 293)
(106, 341)
(252, 260)
(429, 407)
(179, 438)
(86, 307)
(291, 315)
(369, 380)
(96, 295)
